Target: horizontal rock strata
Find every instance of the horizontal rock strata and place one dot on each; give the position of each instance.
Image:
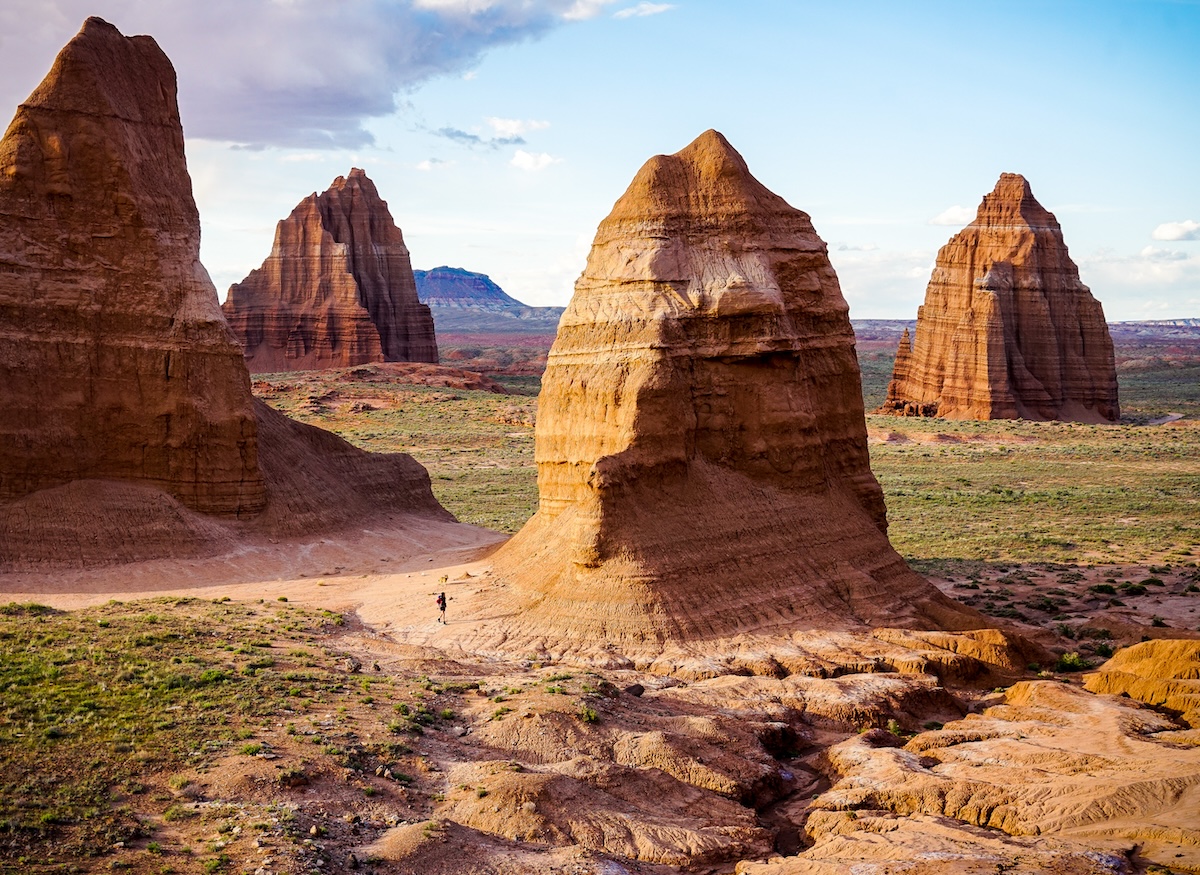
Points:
(337, 289)
(701, 446)
(1007, 329)
(115, 361)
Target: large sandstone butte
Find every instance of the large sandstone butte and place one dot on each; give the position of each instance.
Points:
(701, 444)
(1007, 330)
(337, 289)
(115, 362)
(126, 417)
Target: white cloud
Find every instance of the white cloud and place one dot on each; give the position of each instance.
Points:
(267, 73)
(432, 164)
(1165, 268)
(1186, 230)
(643, 9)
(882, 283)
(512, 127)
(954, 215)
(533, 160)
(1153, 253)
(584, 9)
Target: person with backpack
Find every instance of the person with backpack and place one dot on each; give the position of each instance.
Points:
(441, 603)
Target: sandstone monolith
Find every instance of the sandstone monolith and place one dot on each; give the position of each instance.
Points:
(127, 426)
(701, 445)
(337, 289)
(115, 361)
(1007, 330)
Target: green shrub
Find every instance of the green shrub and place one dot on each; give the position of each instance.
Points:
(1072, 661)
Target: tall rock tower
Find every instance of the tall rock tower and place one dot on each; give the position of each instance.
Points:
(701, 445)
(1007, 330)
(115, 361)
(336, 290)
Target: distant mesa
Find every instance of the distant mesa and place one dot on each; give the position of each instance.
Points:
(455, 288)
(1007, 330)
(336, 291)
(465, 302)
(127, 425)
(701, 444)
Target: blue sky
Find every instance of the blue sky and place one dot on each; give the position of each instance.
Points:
(502, 131)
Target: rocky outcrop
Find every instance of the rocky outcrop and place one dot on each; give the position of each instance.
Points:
(1049, 760)
(474, 313)
(701, 445)
(115, 361)
(1163, 673)
(1007, 330)
(337, 289)
(127, 425)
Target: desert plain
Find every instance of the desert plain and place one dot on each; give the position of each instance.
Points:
(342, 726)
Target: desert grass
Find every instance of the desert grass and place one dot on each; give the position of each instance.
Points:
(1005, 491)
(113, 718)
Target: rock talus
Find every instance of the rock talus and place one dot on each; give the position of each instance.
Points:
(701, 444)
(1007, 330)
(115, 361)
(337, 289)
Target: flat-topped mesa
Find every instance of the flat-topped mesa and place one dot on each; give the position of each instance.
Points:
(1007, 330)
(337, 289)
(701, 445)
(115, 361)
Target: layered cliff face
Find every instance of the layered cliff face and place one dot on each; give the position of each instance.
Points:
(115, 361)
(337, 289)
(1007, 329)
(127, 425)
(701, 446)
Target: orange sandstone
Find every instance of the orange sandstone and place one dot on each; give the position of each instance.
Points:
(701, 444)
(337, 289)
(1007, 330)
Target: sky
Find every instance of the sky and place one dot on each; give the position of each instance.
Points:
(502, 131)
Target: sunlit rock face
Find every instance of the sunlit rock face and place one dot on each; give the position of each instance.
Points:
(1007, 330)
(115, 361)
(701, 445)
(337, 289)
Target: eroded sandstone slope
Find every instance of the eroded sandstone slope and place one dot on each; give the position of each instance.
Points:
(337, 289)
(701, 445)
(115, 362)
(1007, 330)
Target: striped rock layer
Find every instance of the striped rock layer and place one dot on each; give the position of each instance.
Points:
(115, 361)
(701, 445)
(1007, 330)
(337, 289)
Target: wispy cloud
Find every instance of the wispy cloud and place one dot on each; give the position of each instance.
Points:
(466, 138)
(533, 160)
(1185, 230)
(1168, 269)
(954, 215)
(432, 164)
(512, 127)
(584, 9)
(643, 9)
(296, 74)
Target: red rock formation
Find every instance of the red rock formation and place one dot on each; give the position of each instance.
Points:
(1007, 330)
(701, 445)
(125, 406)
(337, 289)
(115, 362)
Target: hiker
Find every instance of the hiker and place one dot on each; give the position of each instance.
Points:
(441, 603)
